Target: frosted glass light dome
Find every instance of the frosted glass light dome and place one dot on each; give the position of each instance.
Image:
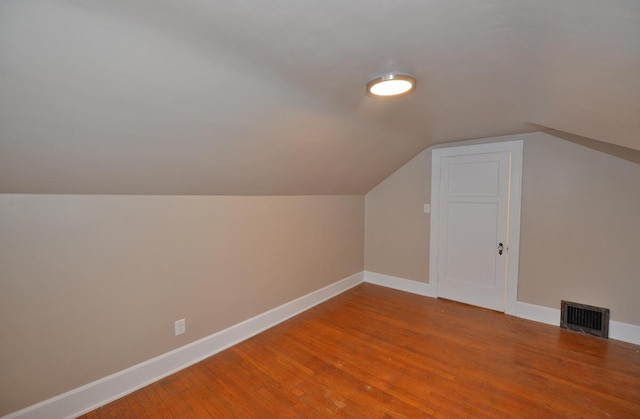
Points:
(392, 84)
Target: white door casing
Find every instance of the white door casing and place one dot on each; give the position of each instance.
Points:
(475, 202)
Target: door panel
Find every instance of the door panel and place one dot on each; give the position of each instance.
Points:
(473, 178)
(471, 238)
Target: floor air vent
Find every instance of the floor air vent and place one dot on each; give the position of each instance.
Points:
(585, 319)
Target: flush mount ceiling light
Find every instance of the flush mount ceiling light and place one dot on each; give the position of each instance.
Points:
(391, 84)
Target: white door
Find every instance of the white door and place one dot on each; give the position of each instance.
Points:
(473, 209)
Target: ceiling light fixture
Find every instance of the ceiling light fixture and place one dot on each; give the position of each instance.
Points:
(391, 84)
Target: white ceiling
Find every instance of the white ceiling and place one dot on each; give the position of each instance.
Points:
(267, 97)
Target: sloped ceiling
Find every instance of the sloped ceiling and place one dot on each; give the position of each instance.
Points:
(267, 97)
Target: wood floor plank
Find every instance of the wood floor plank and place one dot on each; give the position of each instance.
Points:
(377, 352)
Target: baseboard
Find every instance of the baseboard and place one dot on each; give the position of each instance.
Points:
(624, 331)
(401, 284)
(617, 330)
(538, 313)
(93, 395)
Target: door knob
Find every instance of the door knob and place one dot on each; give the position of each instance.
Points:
(500, 248)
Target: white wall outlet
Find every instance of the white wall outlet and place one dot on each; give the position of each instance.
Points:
(427, 208)
(180, 327)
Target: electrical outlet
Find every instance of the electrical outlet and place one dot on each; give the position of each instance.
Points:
(180, 327)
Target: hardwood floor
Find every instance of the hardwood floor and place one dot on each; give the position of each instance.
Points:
(375, 352)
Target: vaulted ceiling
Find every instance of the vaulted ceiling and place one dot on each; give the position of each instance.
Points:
(267, 97)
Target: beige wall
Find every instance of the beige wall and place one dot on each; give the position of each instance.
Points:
(90, 285)
(580, 228)
(397, 229)
(579, 231)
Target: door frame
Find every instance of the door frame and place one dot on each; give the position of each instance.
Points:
(510, 144)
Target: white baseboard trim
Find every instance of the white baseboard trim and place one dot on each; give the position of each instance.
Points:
(624, 331)
(401, 284)
(538, 313)
(617, 330)
(93, 395)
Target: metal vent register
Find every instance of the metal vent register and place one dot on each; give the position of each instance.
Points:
(584, 319)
